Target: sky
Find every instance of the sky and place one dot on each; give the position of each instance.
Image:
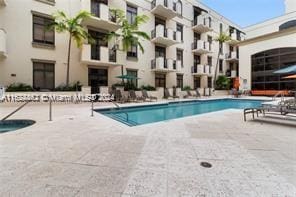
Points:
(247, 12)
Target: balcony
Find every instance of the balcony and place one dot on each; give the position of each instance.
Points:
(232, 56)
(102, 17)
(231, 73)
(3, 3)
(166, 8)
(201, 70)
(101, 56)
(3, 49)
(202, 24)
(201, 47)
(236, 37)
(179, 65)
(165, 37)
(160, 64)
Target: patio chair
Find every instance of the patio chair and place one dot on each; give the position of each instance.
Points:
(119, 97)
(190, 95)
(197, 94)
(167, 94)
(133, 97)
(147, 97)
(236, 93)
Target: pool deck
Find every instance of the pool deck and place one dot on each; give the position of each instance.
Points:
(79, 155)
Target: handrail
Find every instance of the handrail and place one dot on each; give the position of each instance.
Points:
(19, 108)
(279, 93)
(118, 107)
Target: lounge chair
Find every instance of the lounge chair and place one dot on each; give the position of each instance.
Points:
(167, 94)
(236, 93)
(197, 94)
(190, 95)
(283, 108)
(133, 97)
(119, 97)
(147, 97)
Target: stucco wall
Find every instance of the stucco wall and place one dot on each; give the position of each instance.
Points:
(246, 51)
(16, 19)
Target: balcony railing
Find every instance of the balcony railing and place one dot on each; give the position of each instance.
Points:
(201, 69)
(201, 46)
(231, 73)
(160, 31)
(98, 55)
(202, 23)
(160, 63)
(3, 49)
(232, 56)
(166, 8)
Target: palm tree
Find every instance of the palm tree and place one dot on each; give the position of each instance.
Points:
(221, 39)
(62, 23)
(128, 34)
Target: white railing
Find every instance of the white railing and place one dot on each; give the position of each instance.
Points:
(203, 19)
(233, 73)
(3, 49)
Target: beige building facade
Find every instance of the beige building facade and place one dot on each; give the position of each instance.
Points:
(269, 46)
(181, 52)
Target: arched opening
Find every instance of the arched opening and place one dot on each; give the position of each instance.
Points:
(265, 63)
(179, 7)
(288, 25)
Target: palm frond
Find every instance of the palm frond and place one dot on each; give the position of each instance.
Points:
(141, 34)
(82, 15)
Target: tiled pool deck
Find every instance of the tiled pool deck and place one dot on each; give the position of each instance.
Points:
(79, 155)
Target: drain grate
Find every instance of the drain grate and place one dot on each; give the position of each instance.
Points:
(206, 164)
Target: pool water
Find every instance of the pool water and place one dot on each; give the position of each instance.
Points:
(11, 125)
(134, 116)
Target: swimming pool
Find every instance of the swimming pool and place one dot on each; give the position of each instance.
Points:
(134, 116)
(11, 125)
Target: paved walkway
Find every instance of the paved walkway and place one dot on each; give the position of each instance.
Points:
(79, 155)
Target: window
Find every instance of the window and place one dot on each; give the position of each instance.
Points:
(221, 47)
(41, 34)
(210, 61)
(160, 80)
(132, 51)
(43, 76)
(133, 73)
(99, 41)
(221, 28)
(179, 81)
(210, 40)
(220, 66)
(209, 82)
(131, 13)
(266, 62)
(180, 56)
(180, 29)
(196, 60)
(160, 52)
(196, 82)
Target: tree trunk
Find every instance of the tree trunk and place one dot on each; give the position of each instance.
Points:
(216, 69)
(68, 61)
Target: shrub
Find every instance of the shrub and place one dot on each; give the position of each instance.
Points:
(19, 87)
(71, 87)
(223, 83)
(148, 88)
(186, 88)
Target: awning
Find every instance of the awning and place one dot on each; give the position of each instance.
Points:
(288, 70)
(290, 77)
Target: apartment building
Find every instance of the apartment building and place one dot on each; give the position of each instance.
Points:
(269, 46)
(182, 50)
